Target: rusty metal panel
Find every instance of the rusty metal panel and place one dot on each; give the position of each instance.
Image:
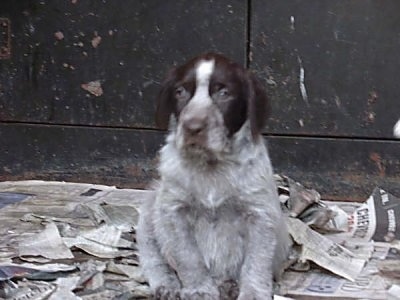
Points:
(101, 62)
(332, 67)
(340, 169)
(121, 157)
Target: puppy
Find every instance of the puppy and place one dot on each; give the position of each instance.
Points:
(216, 217)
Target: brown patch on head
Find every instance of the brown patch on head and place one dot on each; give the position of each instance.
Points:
(258, 105)
(234, 91)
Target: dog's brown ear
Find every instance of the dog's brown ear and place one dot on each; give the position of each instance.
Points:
(166, 102)
(258, 105)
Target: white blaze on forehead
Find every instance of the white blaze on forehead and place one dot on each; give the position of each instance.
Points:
(204, 70)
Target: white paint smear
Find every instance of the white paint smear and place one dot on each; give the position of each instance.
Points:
(292, 23)
(303, 90)
(396, 129)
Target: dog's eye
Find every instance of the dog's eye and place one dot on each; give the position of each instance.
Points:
(181, 93)
(223, 92)
(221, 95)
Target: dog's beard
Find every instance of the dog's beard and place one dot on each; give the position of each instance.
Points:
(206, 150)
(202, 157)
(199, 155)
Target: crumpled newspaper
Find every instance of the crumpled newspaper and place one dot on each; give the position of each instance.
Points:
(305, 204)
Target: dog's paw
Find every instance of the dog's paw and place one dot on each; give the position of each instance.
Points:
(229, 290)
(164, 293)
(248, 293)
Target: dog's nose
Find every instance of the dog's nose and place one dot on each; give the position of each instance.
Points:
(194, 125)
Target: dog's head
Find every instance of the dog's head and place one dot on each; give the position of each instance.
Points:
(211, 98)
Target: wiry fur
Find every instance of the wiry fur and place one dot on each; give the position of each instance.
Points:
(216, 216)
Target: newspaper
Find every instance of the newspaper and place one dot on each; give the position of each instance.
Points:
(90, 227)
(97, 225)
(371, 234)
(324, 252)
(317, 284)
(377, 219)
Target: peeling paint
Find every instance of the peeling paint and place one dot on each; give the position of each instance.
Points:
(79, 44)
(369, 114)
(93, 87)
(396, 129)
(337, 101)
(96, 40)
(376, 158)
(303, 89)
(59, 35)
(31, 28)
(292, 23)
(5, 41)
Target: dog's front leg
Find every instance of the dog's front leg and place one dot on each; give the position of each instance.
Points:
(179, 246)
(256, 274)
(161, 277)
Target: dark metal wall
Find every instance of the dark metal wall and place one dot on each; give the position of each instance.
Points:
(331, 69)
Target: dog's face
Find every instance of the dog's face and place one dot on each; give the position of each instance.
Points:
(211, 98)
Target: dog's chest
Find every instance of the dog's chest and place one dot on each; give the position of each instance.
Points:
(211, 196)
(221, 234)
(212, 190)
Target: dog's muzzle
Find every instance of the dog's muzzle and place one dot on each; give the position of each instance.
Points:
(195, 129)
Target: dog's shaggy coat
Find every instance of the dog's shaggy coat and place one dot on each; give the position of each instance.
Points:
(216, 216)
